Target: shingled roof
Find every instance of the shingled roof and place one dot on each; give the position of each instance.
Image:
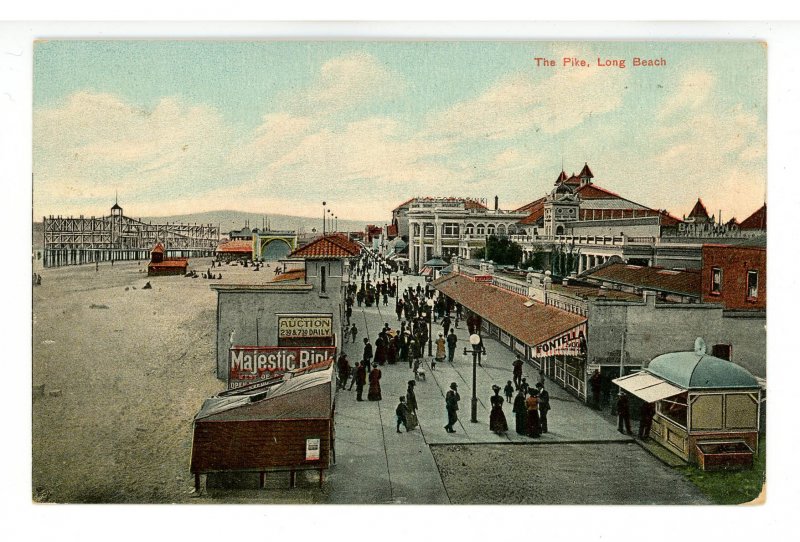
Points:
(237, 246)
(528, 207)
(685, 282)
(756, 221)
(699, 210)
(335, 245)
(529, 321)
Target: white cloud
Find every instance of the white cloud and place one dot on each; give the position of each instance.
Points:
(700, 147)
(346, 82)
(95, 144)
(692, 94)
(522, 103)
(319, 144)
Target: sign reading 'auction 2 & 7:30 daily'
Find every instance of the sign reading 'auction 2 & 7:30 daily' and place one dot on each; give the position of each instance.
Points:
(302, 326)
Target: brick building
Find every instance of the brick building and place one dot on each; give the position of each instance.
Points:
(735, 276)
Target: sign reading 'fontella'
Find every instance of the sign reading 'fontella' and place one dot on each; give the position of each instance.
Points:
(248, 364)
(571, 343)
(295, 326)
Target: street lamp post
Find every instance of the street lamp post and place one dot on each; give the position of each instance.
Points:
(430, 324)
(477, 350)
(323, 218)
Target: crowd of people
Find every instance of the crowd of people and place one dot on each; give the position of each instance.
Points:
(417, 309)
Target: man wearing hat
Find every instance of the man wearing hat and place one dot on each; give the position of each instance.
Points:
(367, 357)
(544, 405)
(451, 403)
(623, 413)
(518, 363)
(344, 370)
(411, 403)
(360, 380)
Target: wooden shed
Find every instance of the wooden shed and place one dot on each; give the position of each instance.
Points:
(707, 408)
(284, 424)
(160, 265)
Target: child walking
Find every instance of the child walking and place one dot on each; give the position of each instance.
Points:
(509, 391)
(402, 413)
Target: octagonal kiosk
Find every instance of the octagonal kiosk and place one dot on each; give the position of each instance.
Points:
(707, 408)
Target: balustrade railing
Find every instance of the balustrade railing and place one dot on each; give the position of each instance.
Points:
(510, 285)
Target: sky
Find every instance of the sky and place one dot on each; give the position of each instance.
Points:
(174, 127)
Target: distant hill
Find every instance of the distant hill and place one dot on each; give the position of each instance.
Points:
(234, 220)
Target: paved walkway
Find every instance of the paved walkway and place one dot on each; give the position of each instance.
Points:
(583, 459)
(377, 465)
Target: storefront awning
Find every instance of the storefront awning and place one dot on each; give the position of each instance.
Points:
(647, 387)
(425, 271)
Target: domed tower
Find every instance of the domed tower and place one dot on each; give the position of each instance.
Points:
(560, 208)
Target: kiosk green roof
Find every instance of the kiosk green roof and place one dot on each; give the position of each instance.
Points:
(692, 371)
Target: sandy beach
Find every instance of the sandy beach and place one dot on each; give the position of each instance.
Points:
(124, 370)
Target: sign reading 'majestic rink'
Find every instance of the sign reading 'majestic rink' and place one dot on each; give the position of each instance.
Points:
(248, 364)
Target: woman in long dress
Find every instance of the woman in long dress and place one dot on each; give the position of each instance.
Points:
(411, 402)
(380, 350)
(521, 413)
(497, 420)
(440, 342)
(374, 393)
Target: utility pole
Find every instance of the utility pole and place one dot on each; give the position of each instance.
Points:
(622, 355)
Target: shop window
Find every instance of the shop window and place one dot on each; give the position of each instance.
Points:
(674, 408)
(752, 285)
(716, 280)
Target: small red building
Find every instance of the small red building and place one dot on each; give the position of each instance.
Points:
(160, 266)
(283, 424)
(735, 275)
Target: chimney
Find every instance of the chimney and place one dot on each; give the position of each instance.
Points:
(496, 202)
(649, 297)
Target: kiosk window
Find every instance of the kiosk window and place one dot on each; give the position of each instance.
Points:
(674, 408)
